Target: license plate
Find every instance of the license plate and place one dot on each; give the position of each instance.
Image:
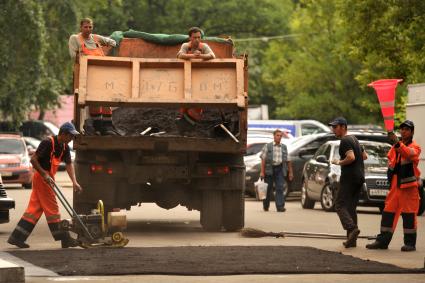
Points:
(6, 174)
(378, 192)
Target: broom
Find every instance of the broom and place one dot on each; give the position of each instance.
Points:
(257, 233)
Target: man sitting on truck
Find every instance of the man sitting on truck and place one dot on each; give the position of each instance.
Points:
(194, 49)
(86, 43)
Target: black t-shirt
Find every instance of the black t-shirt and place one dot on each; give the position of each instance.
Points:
(45, 148)
(354, 170)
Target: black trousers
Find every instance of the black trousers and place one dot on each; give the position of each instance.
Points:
(346, 201)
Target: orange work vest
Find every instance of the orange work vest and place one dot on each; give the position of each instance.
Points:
(200, 47)
(404, 163)
(84, 50)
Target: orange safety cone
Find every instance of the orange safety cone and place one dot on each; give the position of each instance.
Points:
(385, 90)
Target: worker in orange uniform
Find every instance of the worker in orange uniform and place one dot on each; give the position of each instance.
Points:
(403, 197)
(46, 160)
(86, 43)
(194, 49)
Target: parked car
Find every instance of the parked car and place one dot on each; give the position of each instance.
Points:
(296, 128)
(303, 148)
(15, 165)
(32, 145)
(321, 178)
(6, 203)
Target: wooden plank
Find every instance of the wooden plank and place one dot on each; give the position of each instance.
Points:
(240, 88)
(187, 80)
(82, 85)
(135, 80)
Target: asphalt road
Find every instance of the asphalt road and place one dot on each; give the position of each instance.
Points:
(151, 226)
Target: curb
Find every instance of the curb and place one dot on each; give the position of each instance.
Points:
(10, 272)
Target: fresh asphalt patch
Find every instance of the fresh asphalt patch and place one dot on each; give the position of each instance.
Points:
(203, 260)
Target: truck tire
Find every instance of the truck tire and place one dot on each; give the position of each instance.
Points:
(233, 210)
(212, 210)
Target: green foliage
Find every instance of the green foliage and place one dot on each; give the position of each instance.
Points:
(337, 48)
(312, 77)
(22, 41)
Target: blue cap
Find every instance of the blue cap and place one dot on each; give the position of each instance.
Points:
(408, 124)
(68, 127)
(338, 121)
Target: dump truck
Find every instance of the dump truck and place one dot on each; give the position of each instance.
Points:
(203, 172)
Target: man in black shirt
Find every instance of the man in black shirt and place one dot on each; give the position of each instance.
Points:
(46, 160)
(351, 181)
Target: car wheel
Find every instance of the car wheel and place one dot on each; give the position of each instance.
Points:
(327, 198)
(306, 202)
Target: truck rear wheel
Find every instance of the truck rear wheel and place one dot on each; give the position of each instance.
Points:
(212, 210)
(233, 210)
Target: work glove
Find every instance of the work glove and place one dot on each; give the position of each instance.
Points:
(393, 138)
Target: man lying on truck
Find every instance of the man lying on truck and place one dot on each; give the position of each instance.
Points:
(87, 43)
(194, 49)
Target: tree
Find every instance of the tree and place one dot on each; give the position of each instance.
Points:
(312, 76)
(387, 38)
(23, 41)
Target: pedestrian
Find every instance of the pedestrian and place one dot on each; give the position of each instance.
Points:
(275, 167)
(403, 197)
(46, 160)
(194, 49)
(87, 43)
(351, 180)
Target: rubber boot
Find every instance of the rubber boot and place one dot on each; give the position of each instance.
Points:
(89, 128)
(68, 242)
(20, 234)
(352, 238)
(382, 241)
(409, 242)
(97, 125)
(107, 128)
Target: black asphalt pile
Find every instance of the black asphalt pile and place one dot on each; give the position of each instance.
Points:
(133, 121)
(204, 260)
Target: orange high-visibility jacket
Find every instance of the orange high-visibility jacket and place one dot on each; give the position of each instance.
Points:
(404, 161)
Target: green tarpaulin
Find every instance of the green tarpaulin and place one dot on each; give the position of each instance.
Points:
(162, 39)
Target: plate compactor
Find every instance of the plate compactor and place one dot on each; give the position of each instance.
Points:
(92, 229)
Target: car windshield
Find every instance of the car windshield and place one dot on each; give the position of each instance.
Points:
(11, 146)
(376, 154)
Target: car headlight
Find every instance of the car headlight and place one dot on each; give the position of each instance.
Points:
(25, 161)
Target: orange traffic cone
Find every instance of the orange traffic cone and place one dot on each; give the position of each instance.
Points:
(385, 90)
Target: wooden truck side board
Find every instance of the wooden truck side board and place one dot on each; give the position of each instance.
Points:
(139, 48)
(116, 81)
